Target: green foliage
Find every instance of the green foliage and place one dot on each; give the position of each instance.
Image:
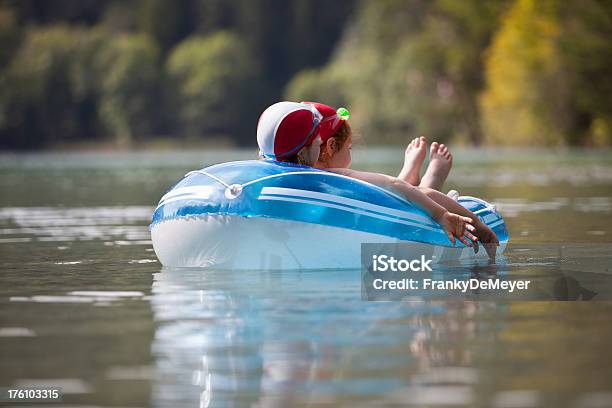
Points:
(212, 78)
(527, 71)
(166, 21)
(548, 75)
(64, 81)
(587, 55)
(522, 63)
(36, 100)
(316, 84)
(498, 72)
(409, 68)
(120, 71)
(128, 86)
(124, 70)
(446, 55)
(9, 34)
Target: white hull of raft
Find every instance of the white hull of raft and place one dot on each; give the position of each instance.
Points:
(243, 243)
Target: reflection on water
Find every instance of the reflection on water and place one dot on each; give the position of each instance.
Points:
(274, 340)
(85, 305)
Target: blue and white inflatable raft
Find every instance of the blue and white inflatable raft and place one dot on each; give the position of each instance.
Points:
(268, 215)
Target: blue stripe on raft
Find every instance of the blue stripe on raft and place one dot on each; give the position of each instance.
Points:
(347, 202)
(340, 207)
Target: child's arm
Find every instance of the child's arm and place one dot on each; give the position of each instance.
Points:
(453, 224)
(485, 234)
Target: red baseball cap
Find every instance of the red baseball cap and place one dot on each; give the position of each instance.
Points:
(285, 127)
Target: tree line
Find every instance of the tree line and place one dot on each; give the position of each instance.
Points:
(518, 72)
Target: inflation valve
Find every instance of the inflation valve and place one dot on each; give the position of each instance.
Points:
(233, 191)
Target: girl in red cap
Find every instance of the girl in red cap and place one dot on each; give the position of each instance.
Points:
(316, 135)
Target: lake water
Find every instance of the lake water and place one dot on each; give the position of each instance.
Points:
(84, 304)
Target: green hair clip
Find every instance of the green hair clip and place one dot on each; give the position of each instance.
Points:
(343, 113)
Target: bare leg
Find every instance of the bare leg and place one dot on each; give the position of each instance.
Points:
(440, 162)
(485, 235)
(413, 160)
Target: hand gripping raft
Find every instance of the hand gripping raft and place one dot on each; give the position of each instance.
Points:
(263, 214)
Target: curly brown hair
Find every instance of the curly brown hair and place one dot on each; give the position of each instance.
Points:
(341, 136)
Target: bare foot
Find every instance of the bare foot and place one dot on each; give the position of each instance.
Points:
(440, 162)
(413, 160)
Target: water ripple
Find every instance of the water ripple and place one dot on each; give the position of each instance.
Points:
(49, 224)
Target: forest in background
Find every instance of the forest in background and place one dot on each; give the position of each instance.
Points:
(503, 72)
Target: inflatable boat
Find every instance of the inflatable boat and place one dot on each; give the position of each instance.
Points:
(269, 215)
